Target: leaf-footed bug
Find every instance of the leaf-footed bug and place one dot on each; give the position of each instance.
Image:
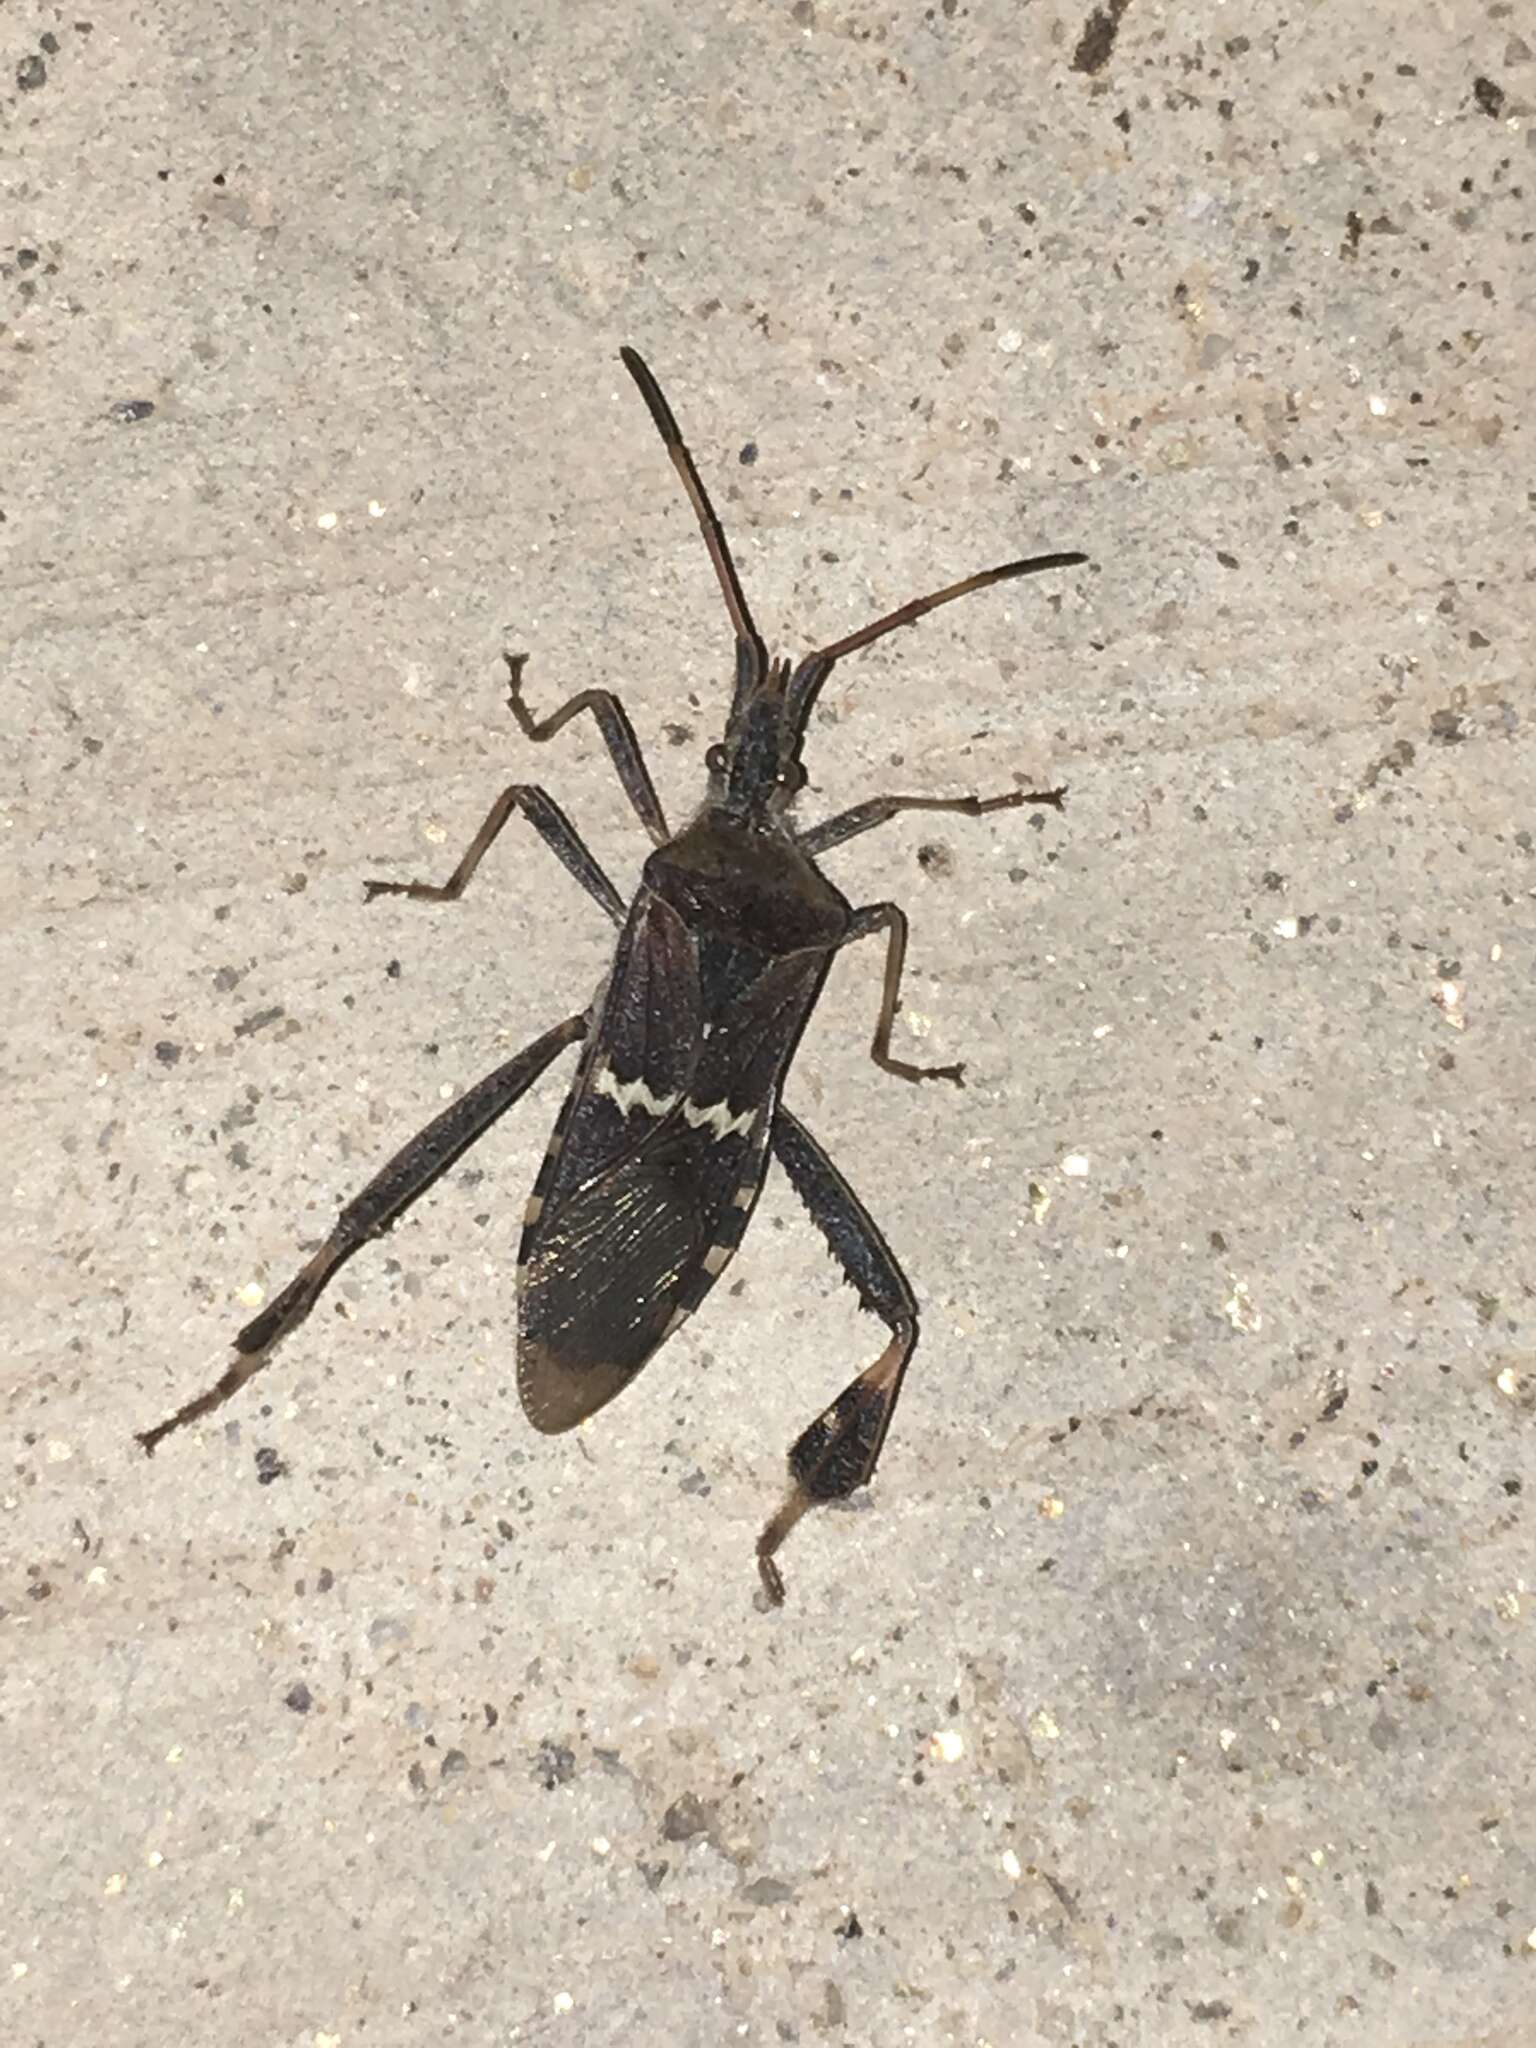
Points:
(659, 1153)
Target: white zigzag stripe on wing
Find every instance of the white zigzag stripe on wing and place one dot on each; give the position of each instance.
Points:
(634, 1094)
(719, 1119)
(637, 1094)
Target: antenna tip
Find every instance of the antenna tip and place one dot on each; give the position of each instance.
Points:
(650, 391)
(1038, 565)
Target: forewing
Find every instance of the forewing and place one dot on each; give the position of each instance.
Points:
(641, 1054)
(599, 1290)
(612, 1266)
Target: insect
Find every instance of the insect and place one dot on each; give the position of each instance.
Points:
(660, 1151)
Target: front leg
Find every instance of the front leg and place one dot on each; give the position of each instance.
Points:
(887, 917)
(840, 1450)
(612, 722)
(864, 817)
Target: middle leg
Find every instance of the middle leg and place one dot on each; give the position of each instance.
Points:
(552, 826)
(889, 917)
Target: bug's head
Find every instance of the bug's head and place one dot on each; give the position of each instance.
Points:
(755, 771)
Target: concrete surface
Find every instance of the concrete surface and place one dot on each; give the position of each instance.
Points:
(1174, 1683)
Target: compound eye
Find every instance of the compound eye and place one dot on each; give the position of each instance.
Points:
(714, 760)
(792, 778)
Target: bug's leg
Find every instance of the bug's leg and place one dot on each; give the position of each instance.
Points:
(840, 1450)
(552, 826)
(368, 1215)
(888, 917)
(618, 737)
(864, 817)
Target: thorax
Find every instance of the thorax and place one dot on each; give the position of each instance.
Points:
(753, 890)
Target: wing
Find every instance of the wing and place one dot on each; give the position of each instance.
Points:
(655, 1165)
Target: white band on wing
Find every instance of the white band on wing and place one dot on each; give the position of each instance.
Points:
(634, 1094)
(637, 1094)
(719, 1119)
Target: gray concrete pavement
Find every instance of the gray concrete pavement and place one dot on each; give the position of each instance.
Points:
(1174, 1682)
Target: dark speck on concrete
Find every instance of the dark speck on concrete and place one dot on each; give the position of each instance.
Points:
(748, 455)
(31, 74)
(128, 411)
(1097, 40)
(454, 1764)
(1489, 97)
(300, 1698)
(554, 1765)
(852, 1928)
(685, 1818)
(768, 1891)
(269, 1466)
(258, 1020)
(167, 1052)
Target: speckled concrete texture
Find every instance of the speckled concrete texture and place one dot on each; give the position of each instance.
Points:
(1173, 1685)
